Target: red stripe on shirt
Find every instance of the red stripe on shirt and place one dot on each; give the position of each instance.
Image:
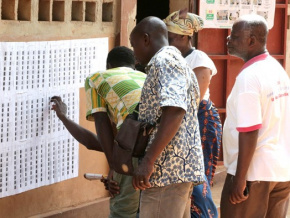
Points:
(254, 60)
(249, 129)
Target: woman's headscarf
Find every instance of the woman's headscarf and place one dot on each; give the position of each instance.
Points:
(183, 26)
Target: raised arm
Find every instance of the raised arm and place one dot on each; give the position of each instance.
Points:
(82, 135)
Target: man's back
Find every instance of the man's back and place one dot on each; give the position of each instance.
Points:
(116, 91)
(171, 82)
(111, 96)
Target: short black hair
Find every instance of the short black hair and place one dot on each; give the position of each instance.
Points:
(121, 56)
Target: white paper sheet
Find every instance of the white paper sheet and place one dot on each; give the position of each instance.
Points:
(223, 13)
(35, 147)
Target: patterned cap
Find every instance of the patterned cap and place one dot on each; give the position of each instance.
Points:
(183, 26)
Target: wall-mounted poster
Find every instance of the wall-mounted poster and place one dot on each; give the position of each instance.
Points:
(223, 13)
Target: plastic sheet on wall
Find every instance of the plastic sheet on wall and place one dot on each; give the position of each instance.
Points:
(35, 147)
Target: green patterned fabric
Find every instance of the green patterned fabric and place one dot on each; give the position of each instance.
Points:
(116, 91)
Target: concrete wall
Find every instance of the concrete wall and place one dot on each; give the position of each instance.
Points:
(33, 20)
(55, 20)
(128, 20)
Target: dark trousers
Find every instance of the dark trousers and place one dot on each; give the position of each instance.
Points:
(266, 200)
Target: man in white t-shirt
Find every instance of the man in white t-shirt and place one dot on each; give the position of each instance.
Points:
(256, 137)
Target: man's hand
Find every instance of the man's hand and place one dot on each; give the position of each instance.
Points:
(237, 192)
(142, 175)
(58, 106)
(170, 122)
(247, 147)
(111, 185)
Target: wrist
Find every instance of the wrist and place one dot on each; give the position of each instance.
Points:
(62, 117)
(239, 177)
(148, 160)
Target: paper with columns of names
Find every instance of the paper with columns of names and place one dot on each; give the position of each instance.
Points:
(35, 147)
